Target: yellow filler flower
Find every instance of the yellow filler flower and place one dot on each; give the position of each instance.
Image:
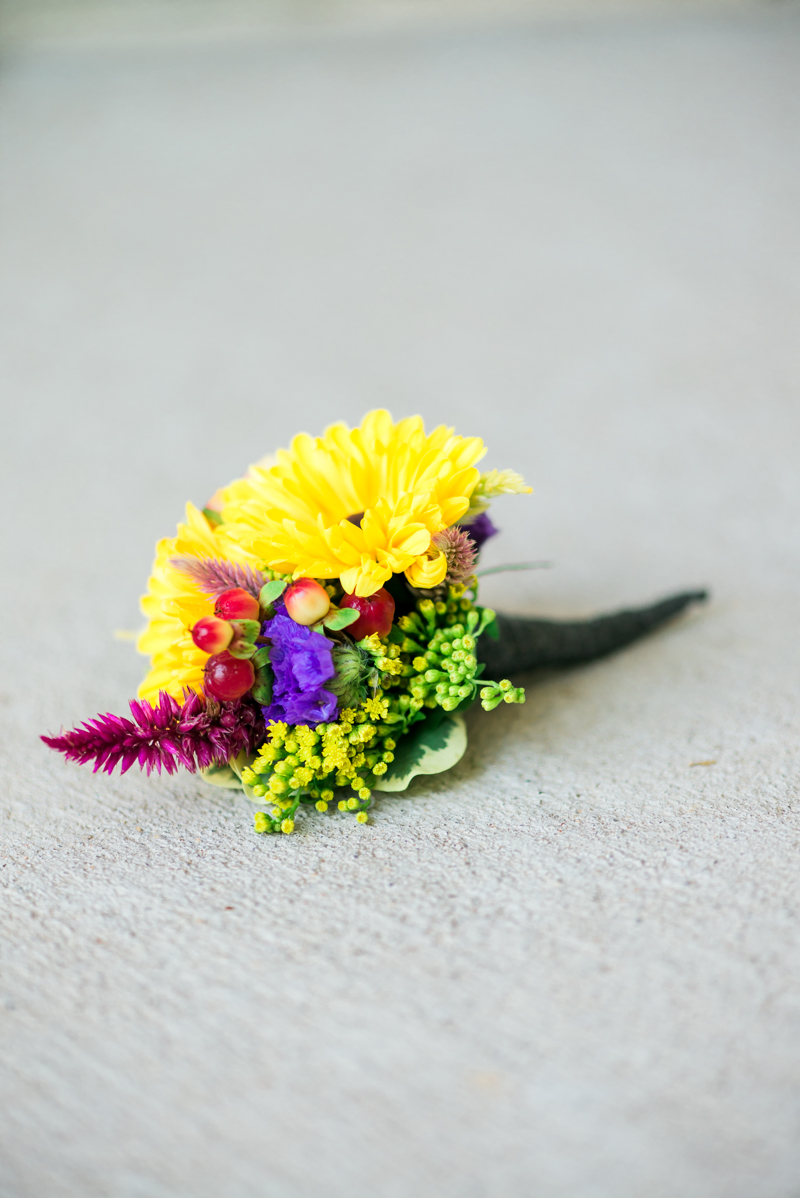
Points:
(357, 504)
(174, 603)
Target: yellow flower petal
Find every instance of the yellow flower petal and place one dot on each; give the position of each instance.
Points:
(427, 572)
(403, 486)
(174, 603)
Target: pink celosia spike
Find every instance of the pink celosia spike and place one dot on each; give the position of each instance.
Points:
(192, 734)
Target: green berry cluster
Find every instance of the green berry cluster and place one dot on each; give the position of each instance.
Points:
(447, 673)
(428, 660)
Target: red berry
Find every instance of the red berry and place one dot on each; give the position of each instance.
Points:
(236, 604)
(377, 613)
(212, 635)
(228, 677)
(306, 601)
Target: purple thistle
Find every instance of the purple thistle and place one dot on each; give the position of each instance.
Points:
(480, 529)
(213, 575)
(195, 734)
(460, 551)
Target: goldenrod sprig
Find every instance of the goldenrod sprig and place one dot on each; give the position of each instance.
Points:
(429, 660)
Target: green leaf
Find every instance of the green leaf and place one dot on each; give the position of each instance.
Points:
(262, 689)
(245, 633)
(213, 517)
(261, 657)
(492, 631)
(243, 650)
(230, 776)
(248, 630)
(221, 775)
(271, 591)
(434, 746)
(341, 618)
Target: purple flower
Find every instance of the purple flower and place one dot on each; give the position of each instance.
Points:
(302, 661)
(480, 529)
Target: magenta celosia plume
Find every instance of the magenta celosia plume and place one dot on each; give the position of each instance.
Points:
(195, 734)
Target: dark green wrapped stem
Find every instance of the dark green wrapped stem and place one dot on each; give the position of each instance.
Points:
(528, 644)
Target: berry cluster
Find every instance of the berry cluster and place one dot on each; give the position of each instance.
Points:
(230, 637)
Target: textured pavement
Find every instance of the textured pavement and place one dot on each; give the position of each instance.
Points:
(570, 968)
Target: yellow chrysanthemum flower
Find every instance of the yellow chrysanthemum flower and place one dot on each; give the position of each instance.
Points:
(357, 504)
(174, 603)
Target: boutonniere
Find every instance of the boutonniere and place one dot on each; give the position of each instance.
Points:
(315, 635)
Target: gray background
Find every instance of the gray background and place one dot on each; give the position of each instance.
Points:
(570, 966)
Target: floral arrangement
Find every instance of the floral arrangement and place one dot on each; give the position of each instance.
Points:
(313, 632)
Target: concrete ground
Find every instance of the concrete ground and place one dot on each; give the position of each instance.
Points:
(570, 968)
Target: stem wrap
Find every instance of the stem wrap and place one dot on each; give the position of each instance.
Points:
(527, 644)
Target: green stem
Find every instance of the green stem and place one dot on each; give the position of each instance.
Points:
(514, 566)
